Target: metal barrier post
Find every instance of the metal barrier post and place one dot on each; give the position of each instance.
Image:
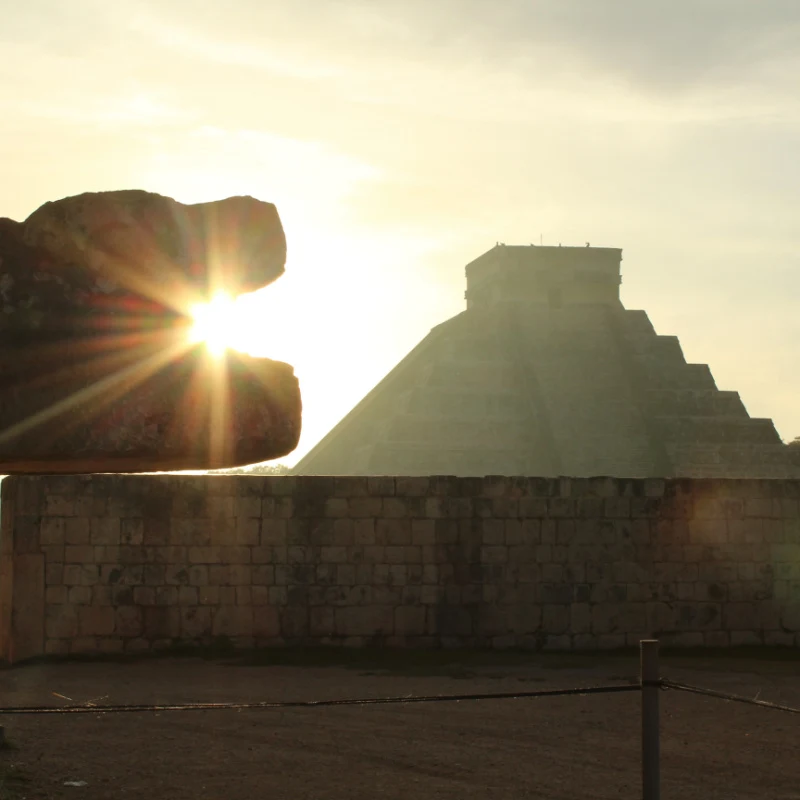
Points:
(651, 779)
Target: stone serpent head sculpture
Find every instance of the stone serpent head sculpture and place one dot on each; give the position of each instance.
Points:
(97, 370)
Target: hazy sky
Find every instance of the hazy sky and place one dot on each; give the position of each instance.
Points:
(400, 140)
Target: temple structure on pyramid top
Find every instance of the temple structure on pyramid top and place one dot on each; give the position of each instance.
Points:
(544, 374)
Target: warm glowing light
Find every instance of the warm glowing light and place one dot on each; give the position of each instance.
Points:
(217, 324)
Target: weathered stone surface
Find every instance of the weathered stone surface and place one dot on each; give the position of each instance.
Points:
(119, 563)
(96, 370)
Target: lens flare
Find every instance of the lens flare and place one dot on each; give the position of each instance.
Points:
(216, 323)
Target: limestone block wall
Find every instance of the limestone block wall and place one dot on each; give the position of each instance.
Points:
(133, 563)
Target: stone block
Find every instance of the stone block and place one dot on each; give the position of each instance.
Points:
(380, 486)
(262, 555)
(660, 617)
(613, 618)
(394, 555)
(156, 532)
(493, 532)
(52, 531)
(83, 645)
(698, 616)
(580, 618)
(259, 595)
(128, 621)
(342, 532)
(281, 508)
(247, 506)
(203, 555)
(360, 507)
(492, 621)
(557, 643)
(532, 507)
(345, 574)
(144, 595)
(584, 641)
(409, 621)
(274, 532)
(617, 508)
(131, 531)
(247, 531)
(262, 575)
(61, 622)
(393, 531)
(611, 641)
(294, 622)
(207, 595)
(161, 622)
(778, 639)
(58, 506)
(552, 573)
(53, 553)
(364, 531)
(95, 621)
(747, 638)
(240, 574)
(758, 507)
(154, 574)
(197, 574)
(283, 575)
(56, 595)
(56, 647)
(556, 618)
(395, 508)
(81, 574)
(121, 595)
(137, 645)
(494, 554)
(76, 531)
(412, 487)
(80, 595)
(454, 621)
(790, 616)
(53, 574)
(716, 639)
(557, 593)
(333, 555)
(431, 595)
(188, 596)
(398, 574)
(336, 507)
(232, 620)
(104, 530)
(322, 621)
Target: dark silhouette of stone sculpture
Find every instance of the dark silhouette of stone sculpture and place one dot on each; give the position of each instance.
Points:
(97, 371)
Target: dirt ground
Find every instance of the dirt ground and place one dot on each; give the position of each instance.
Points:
(564, 748)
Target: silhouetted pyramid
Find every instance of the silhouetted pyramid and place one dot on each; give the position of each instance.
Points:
(546, 373)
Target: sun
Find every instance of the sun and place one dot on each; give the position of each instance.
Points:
(217, 323)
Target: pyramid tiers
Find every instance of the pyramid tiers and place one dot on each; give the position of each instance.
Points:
(546, 373)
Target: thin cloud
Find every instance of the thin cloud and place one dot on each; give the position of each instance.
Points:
(182, 39)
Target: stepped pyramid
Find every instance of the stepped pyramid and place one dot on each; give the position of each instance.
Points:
(547, 374)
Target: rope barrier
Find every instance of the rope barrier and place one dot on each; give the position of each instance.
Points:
(133, 708)
(401, 700)
(725, 696)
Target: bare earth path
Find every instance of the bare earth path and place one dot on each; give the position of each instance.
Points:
(560, 748)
